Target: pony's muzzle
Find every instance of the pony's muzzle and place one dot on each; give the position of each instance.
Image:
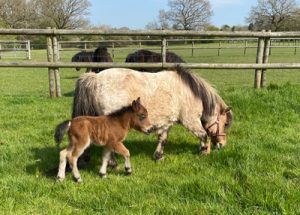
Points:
(149, 130)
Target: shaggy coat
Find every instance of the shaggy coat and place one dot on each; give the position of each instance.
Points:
(170, 97)
(108, 131)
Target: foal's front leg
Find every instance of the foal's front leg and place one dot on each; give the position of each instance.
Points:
(122, 150)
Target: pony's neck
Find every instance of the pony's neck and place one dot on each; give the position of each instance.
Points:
(124, 118)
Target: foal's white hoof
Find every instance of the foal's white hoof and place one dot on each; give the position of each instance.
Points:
(158, 156)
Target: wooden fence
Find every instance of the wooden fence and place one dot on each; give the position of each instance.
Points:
(190, 44)
(10, 48)
(53, 65)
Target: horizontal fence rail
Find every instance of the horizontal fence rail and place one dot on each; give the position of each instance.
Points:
(152, 65)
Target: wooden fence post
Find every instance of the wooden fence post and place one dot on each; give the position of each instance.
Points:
(28, 50)
(193, 46)
(50, 70)
(113, 49)
(265, 60)
(56, 70)
(245, 47)
(259, 60)
(163, 50)
(219, 48)
(295, 44)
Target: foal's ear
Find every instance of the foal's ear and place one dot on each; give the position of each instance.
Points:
(136, 104)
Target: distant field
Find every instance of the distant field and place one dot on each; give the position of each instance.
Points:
(258, 171)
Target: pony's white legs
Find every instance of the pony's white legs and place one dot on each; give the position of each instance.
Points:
(195, 126)
(62, 165)
(105, 159)
(162, 140)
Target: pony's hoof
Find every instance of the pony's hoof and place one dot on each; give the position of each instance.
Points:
(59, 179)
(158, 156)
(103, 175)
(128, 171)
(112, 164)
(204, 150)
(78, 180)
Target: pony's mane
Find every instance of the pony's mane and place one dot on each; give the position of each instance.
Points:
(201, 89)
(121, 111)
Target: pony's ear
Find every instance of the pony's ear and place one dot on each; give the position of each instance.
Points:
(138, 100)
(226, 110)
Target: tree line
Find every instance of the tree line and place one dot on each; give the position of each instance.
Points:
(275, 15)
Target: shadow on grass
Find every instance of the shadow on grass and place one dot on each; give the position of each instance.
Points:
(69, 94)
(47, 158)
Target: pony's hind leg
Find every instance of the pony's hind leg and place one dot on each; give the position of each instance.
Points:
(62, 165)
(122, 150)
(162, 141)
(105, 160)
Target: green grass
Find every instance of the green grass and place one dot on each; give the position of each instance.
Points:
(258, 171)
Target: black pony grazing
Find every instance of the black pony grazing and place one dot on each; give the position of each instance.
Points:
(83, 56)
(146, 56)
(99, 55)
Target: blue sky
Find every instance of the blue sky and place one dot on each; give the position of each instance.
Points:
(135, 14)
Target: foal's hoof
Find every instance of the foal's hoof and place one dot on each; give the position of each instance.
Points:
(205, 150)
(103, 175)
(158, 156)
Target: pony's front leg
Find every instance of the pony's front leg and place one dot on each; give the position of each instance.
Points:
(162, 141)
(205, 145)
(122, 150)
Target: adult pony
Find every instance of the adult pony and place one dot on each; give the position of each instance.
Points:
(99, 55)
(146, 56)
(170, 96)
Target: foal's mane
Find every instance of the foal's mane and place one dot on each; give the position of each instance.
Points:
(121, 111)
(201, 89)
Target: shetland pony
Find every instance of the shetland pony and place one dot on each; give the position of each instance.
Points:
(99, 55)
(108, 131)
(170, 96)
(146, 56)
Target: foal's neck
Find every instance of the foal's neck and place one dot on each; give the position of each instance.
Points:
(124, 117)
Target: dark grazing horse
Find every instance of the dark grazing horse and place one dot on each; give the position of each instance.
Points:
(99, 55)
(146, 56)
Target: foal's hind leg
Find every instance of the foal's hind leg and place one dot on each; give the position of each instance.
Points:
(105, 159)
(62, 165)
(162, 140)
(73, 157)
(122, 150)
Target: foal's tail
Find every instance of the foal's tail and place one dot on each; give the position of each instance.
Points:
(60, 130)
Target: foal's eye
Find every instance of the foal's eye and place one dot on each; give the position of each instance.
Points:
(142, 117)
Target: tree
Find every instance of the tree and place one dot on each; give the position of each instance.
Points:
(17, 13)
(272, 14)
(185, 15)
(63, 14)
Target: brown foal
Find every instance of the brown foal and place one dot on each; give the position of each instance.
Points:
(107, 130)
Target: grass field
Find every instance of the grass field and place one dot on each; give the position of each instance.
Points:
(258, 172)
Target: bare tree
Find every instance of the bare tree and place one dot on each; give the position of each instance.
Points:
(63, 14)
(185, 15)
(272, 14)
(17, 13)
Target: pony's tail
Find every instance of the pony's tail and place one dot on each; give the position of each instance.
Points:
(84, 103)
(60, 131)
